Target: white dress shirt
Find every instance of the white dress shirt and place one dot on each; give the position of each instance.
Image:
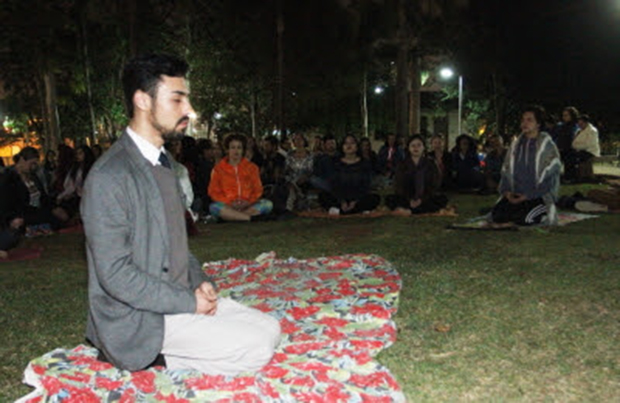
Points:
(148, 150)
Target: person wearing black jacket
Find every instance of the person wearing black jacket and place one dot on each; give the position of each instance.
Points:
(416, 183)
(10, 226)
(466, 165)
(23, 195)
(350, 183)
(442, 158)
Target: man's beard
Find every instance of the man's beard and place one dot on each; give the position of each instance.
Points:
(167, 133)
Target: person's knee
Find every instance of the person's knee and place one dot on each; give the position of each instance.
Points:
(215, 209)
(266, 206)
(266, 344)
(273, 331)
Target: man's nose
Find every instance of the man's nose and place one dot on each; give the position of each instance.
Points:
(189, 110)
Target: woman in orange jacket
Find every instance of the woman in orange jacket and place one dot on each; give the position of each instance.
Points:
(235, 186)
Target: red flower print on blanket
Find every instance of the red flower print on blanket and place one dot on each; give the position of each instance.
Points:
(335, 314)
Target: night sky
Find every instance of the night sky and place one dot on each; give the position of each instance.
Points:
(560, 52)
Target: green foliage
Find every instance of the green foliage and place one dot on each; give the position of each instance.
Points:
(329, 47)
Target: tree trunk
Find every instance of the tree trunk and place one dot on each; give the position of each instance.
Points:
(365, 105)
(500, 108)
(89, 92)
(51, 110)
(41, 96)
(131, 14)
(279, 95)
(414, 96)
(402, 73)
(253, 105)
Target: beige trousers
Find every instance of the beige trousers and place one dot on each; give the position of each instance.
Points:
(236, 339)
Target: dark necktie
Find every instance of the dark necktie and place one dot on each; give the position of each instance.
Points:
(164, 161)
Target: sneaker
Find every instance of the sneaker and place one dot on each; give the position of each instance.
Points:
(586, 206)
(334, 211)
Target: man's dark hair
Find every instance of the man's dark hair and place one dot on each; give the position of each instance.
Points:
(27, 154)
(235, 137)
(539, 113)
(573, 112)
(585, 118)
(144, 73)
(386, 136)
(273, 140)
(328, 137)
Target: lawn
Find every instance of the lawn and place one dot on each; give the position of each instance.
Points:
(528, 315)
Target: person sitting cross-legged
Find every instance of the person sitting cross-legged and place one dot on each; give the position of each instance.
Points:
(389, 156)
(10, 234)
(584, 148)
(23, 195)
(466, 165)
(150, 302)
(530, 176)
(416, 182)
(350, 183)
(235, 186)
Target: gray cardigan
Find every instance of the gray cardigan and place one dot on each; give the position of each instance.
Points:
(127, 246)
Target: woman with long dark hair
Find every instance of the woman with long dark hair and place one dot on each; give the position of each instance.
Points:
(64, 163)
(350, 183)
(70, 197)
(467, 175)
(416, 183)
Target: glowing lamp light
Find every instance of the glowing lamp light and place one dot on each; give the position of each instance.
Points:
(217, 115)
(9, 151)
(446, 73)
(379, 90)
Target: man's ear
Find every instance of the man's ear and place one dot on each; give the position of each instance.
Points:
(142, 100)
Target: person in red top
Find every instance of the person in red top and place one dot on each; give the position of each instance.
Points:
(235, 186)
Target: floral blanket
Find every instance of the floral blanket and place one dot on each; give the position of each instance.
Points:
(335, 313)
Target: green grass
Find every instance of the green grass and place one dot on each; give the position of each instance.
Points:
(532, 315)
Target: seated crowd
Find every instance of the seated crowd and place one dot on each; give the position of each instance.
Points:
(247, 179)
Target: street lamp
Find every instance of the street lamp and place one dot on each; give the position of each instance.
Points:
(447, 73)
(379, 90)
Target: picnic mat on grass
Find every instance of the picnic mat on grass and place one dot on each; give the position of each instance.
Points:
(74, 229)
(335, 312)
(481, 224)
(20, 254)
(374, 214)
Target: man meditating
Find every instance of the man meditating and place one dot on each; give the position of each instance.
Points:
(530, 178)
(149, 300)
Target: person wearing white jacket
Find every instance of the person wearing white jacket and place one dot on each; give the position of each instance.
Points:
(586, 138)
(585, 146)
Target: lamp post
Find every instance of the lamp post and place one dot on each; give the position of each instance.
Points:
(447, 73)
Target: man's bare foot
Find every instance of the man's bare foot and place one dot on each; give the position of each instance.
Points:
(3, 254)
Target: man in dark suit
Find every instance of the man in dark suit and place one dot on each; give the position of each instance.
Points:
(148, 297)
